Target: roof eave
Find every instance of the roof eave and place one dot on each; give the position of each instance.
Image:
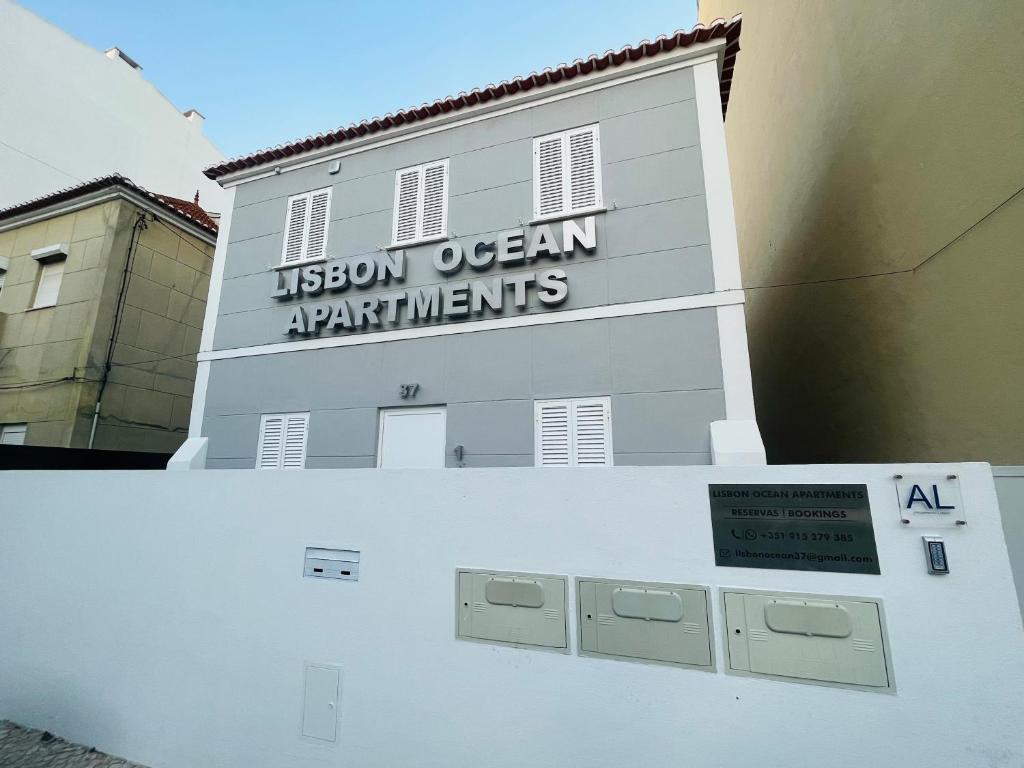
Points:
(319, 148)
(103, 194)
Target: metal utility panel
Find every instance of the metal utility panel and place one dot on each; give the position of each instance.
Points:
(323, 563)
(808, 638)
(519, 609)
(645, 621)
(321, 702)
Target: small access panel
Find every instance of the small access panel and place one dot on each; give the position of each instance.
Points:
(320, 702)
(807, 638)
(520, 609)
(323, 563)
(666, 623)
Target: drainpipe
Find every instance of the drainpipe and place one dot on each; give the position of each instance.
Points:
(133, 243)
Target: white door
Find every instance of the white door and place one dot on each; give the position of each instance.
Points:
(411, 438)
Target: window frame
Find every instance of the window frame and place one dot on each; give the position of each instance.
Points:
(43, 267)
(280, 460)
(304, 257)
(573, 403)
(419, 238)
(567, 211)
(20, 428)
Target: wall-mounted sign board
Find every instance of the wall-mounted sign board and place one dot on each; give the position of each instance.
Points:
(930, 500)
(793, 527)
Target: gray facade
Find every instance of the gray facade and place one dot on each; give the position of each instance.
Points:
(661, 368)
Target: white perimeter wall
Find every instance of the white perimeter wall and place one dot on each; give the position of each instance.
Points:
(69, 114)
(163, 617)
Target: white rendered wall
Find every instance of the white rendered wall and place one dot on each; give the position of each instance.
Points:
(163, 617)
(69, 114)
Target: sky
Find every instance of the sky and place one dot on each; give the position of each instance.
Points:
(262, 73)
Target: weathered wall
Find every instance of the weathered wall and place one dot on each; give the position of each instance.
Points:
(877, 155)
(40, 348)
(148, 398)
(51, 358)
(163, 617)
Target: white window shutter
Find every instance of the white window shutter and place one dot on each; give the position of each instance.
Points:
(552, 435)
(407, 194)
(296, 429)
(283, 439)
(13, 434)
(584, 169)
(435, 200)
(49, 283)
(591, 421)
(573, 433)
(3, 276)
(295, 229)
(548, 176)
(271, 442)
(319, 221)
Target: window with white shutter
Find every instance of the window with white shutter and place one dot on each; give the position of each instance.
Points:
(307, 221)
(421, 203)
(3, 276)
(50, 274)
(573, 433)
(13, 434)
(567, 173)
(283, 439)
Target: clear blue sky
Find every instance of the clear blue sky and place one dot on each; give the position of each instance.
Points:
(266, 72)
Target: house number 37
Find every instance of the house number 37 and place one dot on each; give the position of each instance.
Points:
(405, 391)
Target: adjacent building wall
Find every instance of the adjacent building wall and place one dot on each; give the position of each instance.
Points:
(71, 114)
(877, 154)
(163, 617)
(148, 398)
(52, 358)
(44, 352)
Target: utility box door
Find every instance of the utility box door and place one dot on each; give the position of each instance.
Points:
(521, 609)
(656, 622)
(827, 640)
(320, 702)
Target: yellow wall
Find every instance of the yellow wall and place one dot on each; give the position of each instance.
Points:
(877, 157)
(148, 397)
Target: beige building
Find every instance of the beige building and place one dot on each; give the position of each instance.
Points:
(877, 162)
(77, 326)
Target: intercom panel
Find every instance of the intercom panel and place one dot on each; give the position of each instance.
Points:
(666, 623)
(808, 638)
(514, 608)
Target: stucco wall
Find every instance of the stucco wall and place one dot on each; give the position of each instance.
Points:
(663, 370)
(41, 347)
(148, 399)
(653, 242)
(877, 155)
(663, 394)
(163, 617)
(52, 358)
(70, 114)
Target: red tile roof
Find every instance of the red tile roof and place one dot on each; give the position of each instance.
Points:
(191, 209)
(718, 29)
(183, 209)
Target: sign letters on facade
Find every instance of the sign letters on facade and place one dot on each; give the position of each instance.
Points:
(455, 299)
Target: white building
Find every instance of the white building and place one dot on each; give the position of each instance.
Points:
(69, 113)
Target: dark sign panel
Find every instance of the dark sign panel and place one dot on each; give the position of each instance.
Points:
(794, 527)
